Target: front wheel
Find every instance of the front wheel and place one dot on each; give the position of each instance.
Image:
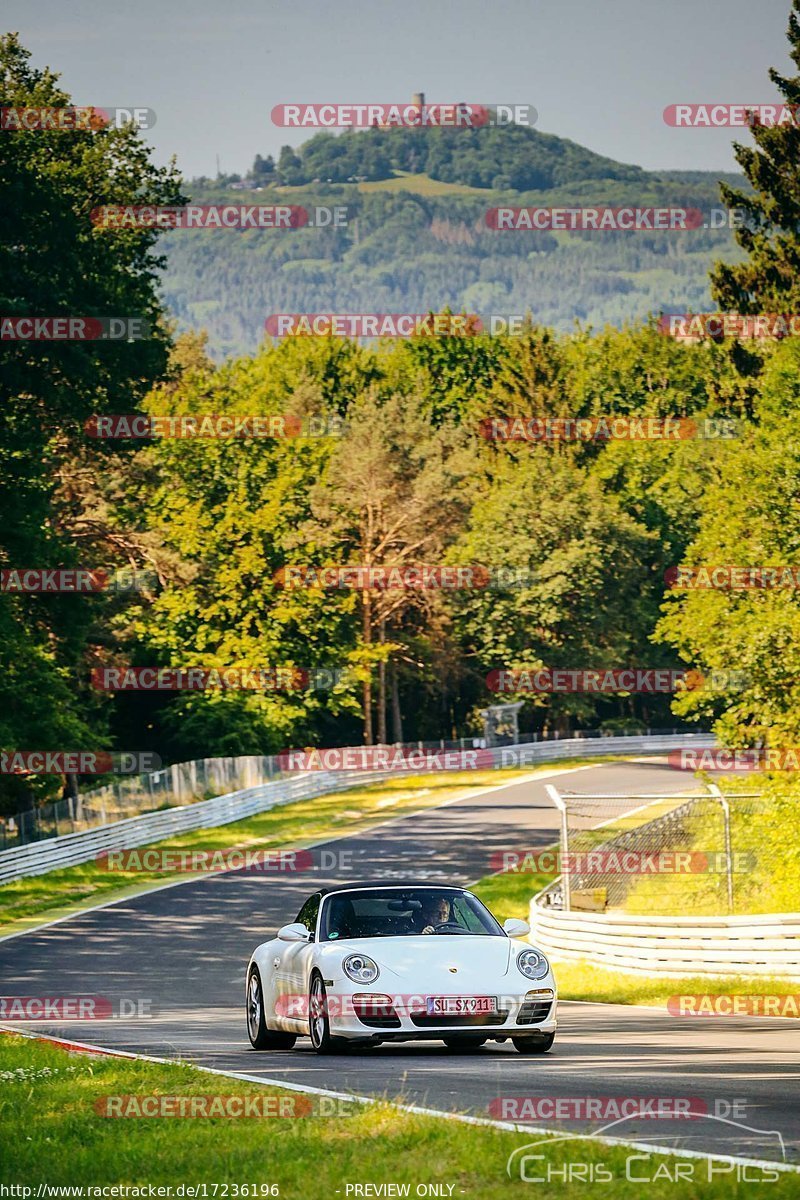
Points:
(534, 1045)
(319, 1027)
(262, 1038)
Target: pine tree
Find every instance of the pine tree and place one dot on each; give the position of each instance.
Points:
(769, 279)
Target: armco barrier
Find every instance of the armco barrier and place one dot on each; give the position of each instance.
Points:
(767, 945)
(71, 849)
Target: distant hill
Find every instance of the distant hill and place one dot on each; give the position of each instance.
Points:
(515, 156)
(417, 238)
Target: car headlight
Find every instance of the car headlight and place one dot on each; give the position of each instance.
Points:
(532, 964)
(360, 968)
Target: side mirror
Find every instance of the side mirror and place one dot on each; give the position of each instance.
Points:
(294, 933)
(515, 928)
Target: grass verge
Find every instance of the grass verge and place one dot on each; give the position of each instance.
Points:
(54, 1135)
(290, 826)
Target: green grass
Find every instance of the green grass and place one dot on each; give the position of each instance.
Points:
(584, 981)
(419, 184)
(290, 826)
(509, 893)
(422, 185)
(53, 1135)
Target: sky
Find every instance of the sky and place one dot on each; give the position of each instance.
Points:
(599, 72)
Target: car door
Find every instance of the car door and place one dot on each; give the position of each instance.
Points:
(292, 966)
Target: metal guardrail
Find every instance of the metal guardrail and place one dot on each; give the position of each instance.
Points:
(190, 782)
(72, 849)
(767, 944)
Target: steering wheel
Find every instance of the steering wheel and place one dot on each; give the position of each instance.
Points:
(449, 927)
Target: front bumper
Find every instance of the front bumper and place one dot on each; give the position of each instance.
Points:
(364, 1016)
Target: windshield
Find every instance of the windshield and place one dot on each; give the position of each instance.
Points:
(398, 912)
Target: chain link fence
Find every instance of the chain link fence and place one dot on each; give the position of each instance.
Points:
(703, 852)
(130, 796)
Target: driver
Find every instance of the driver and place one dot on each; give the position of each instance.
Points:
(435, 911)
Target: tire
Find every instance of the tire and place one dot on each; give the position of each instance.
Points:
(464, 1045)
(262, 1038)
(319, 1027)
(534, 1045)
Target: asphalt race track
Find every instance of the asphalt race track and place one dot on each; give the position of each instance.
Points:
(185, 948)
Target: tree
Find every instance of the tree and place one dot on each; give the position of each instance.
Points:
(263, 169)
(290, 167)
(223, 515)
(577, 570)
(749, 637)
(392, 496)
(55, 262)
(769, 279)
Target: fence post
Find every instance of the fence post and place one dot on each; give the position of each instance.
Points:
(566, 890)
(726, 819)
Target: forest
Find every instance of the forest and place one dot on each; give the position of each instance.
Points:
(374, 455)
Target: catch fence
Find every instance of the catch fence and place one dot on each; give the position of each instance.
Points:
(660, 853)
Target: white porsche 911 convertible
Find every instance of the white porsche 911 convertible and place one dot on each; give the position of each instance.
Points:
(375, 962)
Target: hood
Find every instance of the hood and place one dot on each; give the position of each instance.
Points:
(428, 959)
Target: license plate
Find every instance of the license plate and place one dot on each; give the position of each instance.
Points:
(448, 1006)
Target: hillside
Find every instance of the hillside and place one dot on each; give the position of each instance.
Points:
(516, 157)
(417, 239)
